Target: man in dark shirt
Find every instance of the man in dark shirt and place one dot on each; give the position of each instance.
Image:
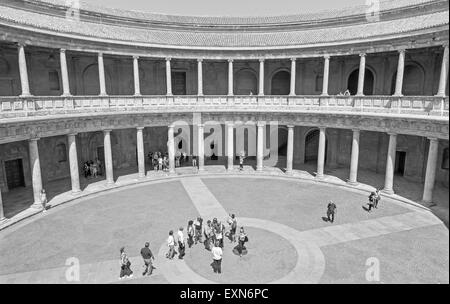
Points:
(147, 255)
(331, 211)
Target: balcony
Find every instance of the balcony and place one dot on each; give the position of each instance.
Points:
(38, 106)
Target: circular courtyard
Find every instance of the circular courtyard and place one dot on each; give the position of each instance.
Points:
(290, 240)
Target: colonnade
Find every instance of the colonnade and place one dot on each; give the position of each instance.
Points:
(137, 92)
(35, 166)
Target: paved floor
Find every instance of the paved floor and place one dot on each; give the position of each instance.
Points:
(289, 240)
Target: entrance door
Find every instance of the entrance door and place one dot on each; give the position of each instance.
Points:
(179, 83)
(400, 158)
(14, 174)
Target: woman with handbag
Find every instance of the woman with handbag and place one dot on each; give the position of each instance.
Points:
(243, 238)
(125, 264)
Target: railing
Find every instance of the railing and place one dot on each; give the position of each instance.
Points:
(16, 107)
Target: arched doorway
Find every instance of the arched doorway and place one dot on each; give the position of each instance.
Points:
(245, 83)
(413, 80)
(281, 83)
(312, 146)
(352, 82)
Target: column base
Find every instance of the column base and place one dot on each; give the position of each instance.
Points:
(259, 169)
(427, 203)
(397, 95)
(76, 192)
(440, 95)
(37, 205)
(230, 169)
(289, 172)
(388, 191)
(3, 220)
(325, 95)
(320, 176)
(201, 169)
(142, 176)
(66, 95)
(103, 95)
(110, 184)
(25, 95)
(351, 183)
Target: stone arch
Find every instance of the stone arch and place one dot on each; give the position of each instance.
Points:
(369, 81)
(246, 82)
(281, 82)
(413, 80)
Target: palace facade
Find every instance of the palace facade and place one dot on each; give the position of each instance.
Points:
(85, 83)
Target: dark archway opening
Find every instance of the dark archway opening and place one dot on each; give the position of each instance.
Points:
(352, 82)
(281, 83)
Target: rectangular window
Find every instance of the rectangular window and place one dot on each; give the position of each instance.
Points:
(53, 80)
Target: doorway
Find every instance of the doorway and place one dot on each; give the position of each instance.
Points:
(400, 158)
(14, 174)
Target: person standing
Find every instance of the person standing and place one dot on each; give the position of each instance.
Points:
(194, 161)
(331, 211)
(43, 197)
(233, 226)
(377, 198)
(243, 238)
(171, 245)
(217, 258)
(181, 243)
(125, 264)
(148, 256)
(190, 233)
(198, 230)
(207, 231)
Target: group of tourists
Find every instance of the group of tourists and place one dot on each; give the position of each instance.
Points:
(211, 234)
(160, 161)
(125, 263)
(92, 168)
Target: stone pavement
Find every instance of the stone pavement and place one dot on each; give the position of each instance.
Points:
(310, 263)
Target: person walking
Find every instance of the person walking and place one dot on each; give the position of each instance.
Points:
(331, 211)
(217, 254)
(125, 264)
(171, 245)
(43, 197)
(194, 161)
(148, 256)
(181, 243)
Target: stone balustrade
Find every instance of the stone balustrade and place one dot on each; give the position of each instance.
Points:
(17, 107)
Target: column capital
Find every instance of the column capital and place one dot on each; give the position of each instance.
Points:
(362, 54)
(290, 126)
(100, 54)
(199, 59)
(62, 50)
(230, 60)
(140, 128)
(326, 57)
(356, 130)
(261, 60)
(433, 139)
(391, 133)
(34, 138)
(445, 44)
(402, 50)
(106, 131)
(72, 134)
(322, 128)
(21, 44)
(230, 123)
(261, 123)
(293, 59)
(168, 58)
(136, 57)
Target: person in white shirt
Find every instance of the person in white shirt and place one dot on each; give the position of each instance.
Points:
(217, 258)
(181, 243)
(171, 245)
